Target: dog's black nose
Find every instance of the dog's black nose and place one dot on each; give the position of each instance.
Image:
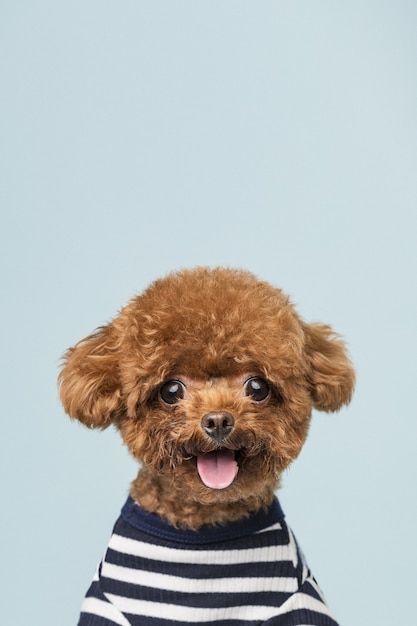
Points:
(218, 425)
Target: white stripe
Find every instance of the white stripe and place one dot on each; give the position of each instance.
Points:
(268, 554)
(302, 600)
(192, 614)
(202, 585)
(199, 615)
(104, 609)
(293, 549)
(276, 526)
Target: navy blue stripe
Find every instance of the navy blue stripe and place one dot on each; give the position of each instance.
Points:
(310, 590)
(138, 620)
(264, 539)
(190, 570)
(88, 619)
(301, 616)
(95, 591)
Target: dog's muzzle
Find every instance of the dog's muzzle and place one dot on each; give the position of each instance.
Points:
(217, 469)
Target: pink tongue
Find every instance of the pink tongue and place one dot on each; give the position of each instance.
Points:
(217, 469)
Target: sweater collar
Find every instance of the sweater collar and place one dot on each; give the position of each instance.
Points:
(152, 524)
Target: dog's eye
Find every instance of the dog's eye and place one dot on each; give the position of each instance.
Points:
(257, 389)
(172, 391)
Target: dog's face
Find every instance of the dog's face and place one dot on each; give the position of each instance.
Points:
(220, 438)
(210, 376)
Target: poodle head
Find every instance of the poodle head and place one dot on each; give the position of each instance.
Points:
(211, 376)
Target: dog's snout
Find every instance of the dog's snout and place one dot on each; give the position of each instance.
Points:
(218, 425)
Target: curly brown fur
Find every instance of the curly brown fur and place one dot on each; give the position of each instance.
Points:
(212, 330)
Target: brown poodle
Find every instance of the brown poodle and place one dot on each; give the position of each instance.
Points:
(210, 376)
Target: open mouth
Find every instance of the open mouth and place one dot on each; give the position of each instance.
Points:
(217, 469)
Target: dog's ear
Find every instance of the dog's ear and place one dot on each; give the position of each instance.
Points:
(330, 372)
(89, 380)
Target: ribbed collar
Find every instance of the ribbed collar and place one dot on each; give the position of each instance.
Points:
(152, 524)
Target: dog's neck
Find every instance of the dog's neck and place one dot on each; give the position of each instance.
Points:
(161, 497)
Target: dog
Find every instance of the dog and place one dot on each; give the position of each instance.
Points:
(210, 376)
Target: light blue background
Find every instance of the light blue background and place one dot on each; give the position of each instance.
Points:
(141, 137)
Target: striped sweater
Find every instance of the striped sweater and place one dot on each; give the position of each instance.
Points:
(245, 573)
